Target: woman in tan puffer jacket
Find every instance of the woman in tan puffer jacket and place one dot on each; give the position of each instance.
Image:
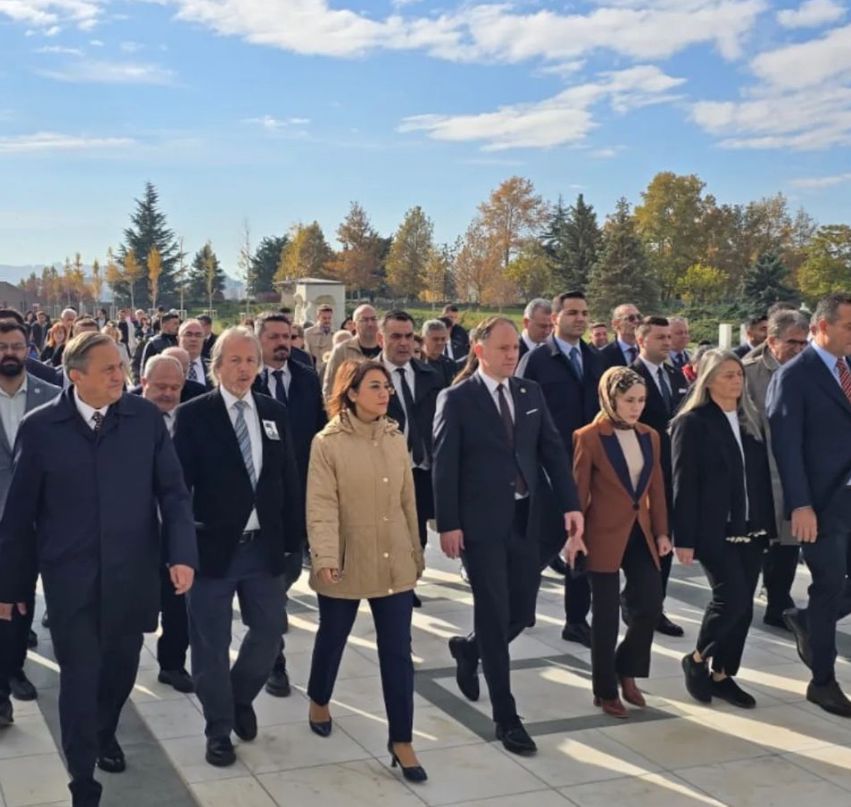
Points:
(364, 544)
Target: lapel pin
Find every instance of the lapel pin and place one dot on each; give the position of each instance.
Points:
(523, 389)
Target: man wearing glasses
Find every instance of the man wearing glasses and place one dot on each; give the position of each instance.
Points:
(623, 351)
(364, 345)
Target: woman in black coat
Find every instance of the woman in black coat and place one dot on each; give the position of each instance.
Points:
(723, 517)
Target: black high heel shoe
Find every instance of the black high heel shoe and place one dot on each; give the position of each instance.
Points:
(416, 773)
(323, 729)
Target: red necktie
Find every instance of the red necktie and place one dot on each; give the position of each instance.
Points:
(844, 377)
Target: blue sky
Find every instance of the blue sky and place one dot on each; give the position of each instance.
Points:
(277, 111)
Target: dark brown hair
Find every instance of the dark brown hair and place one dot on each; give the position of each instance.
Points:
(350, 375)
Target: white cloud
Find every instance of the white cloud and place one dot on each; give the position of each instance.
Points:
(564, 118)
(104, 72)
(60, 49)
(44, 142)
(96, 43)
(817, 183)
(131, 47)
(808, 63)
(487, 31)
(811, 14)
(273, 124)
(48, 14)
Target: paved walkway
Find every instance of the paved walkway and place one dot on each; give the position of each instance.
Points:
(676, 753)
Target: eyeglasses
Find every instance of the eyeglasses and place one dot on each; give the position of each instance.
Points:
(632, 317)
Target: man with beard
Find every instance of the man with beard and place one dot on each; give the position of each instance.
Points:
(297, 387)
(19, 393)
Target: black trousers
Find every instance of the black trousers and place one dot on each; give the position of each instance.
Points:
(577, 598)
(174, 638)
(779, 565)
(13, 642)
(665, 564)
(261, 602)
(96, 676)
(830, 591)
(504, 577)
(642, 598)
(425, 501)
(392, 617)
(732, 571)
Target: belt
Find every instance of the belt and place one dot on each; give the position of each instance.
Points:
(248, 536)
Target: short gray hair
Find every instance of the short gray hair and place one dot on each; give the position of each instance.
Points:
(781, 322)
(76, 353)
(234, 332)
(538, 304)
(433, 325)
(155, 361)
(828, 307)
(677, 320)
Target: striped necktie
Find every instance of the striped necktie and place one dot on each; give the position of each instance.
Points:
(844, 377)
(244, 441)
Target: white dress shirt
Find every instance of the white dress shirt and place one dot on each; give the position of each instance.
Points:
(492, 384)
(252, 421)
(736, 427)
(410, 377)
(272, 383)
(86, 411)
(529, 343)
(626, 349)
(567, 349)
(200, 370)
(12, 410)
(654, 373)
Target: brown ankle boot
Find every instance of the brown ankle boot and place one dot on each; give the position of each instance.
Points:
(631, 693)
(613, 707)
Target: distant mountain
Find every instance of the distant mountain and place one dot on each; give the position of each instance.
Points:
(15, 274)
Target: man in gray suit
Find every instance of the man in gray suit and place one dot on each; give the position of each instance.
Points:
(20, 392)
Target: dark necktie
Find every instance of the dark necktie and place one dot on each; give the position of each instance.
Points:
(632, 354)
(415, 443)
(575, 362)
(98, 419)
(844, 377)
(280, 389)
(663, 387)
(520, 483)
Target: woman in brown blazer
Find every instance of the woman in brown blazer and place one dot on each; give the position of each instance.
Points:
(616, 463)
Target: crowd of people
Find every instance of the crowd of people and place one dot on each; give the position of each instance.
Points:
(270, 448)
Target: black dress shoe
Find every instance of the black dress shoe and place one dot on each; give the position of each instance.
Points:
(32, 640)
(668, 628)
(697, 679)
(179, 679)
(467, 670)
(728, 690)
(220, 752)
(416, 773)
(244, 722)
(418, 603)
(774, 621)
(278, 682)
(515, 738)
(323, 729)
(21, 686)
(795, 623)
(577, 632)
(45, 621)
(558, 565)
(111, 758)
(6, 712)
(830, 697)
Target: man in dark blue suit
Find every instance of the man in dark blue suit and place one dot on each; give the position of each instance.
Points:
(666, 388)
(97, 543)
(623, 350)
(492, 433)
(297, 387)
(568, 371)
(809, 409)
(239, 464)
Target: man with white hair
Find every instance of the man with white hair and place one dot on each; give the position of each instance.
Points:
(190, 336)
(537, 324)
(679, 342)
(623, 351)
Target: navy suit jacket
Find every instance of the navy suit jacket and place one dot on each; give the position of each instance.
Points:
(71, 514)
(428, 382)
(305, 411)
(474, 470)
(222, 497)
(612, 355)
(573, 402)
(43, 371)
(810, 421)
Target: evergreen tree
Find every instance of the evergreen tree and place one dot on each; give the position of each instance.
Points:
(148, 229)
(206, 277)
(572, 240)
(409, 255)
(621, 273)
(264, 264)
(763, 284)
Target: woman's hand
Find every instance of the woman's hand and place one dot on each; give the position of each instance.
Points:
(685, 555)
(663, 545)
(572, 548)
(330, 577)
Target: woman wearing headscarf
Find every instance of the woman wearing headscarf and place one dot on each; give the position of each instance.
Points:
(723, 517)
(618, 471)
